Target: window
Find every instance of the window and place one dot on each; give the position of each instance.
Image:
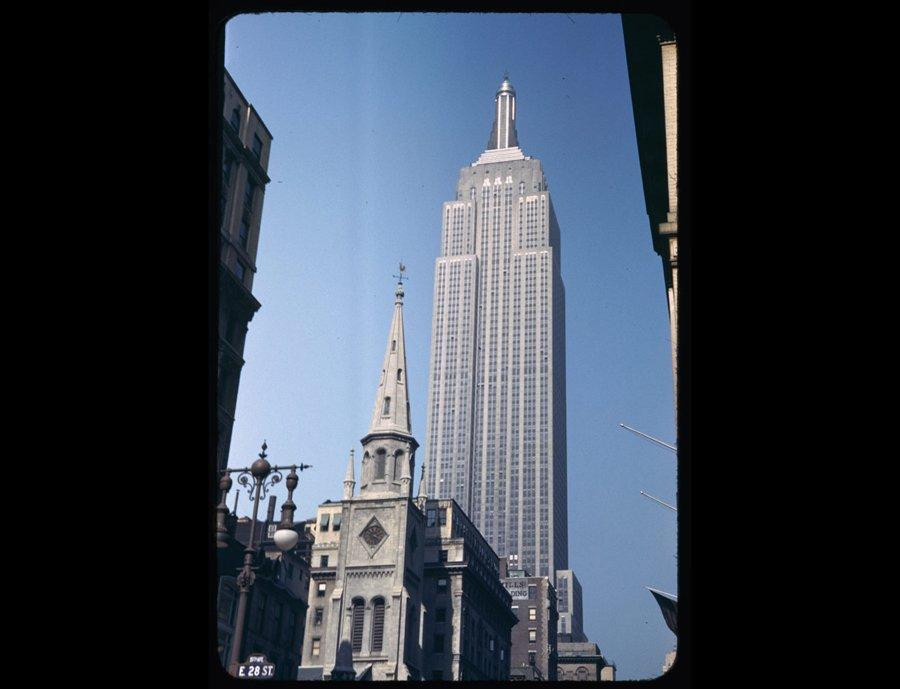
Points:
(442, 584)
(398, 466)
(411, 618)
(443, 514)
(249, 189)
(443, 556)
(438, 643)
(377, 624)
(440, 615)
(236, 119)
(275, 628)
(256, 614)
(323, 560)
(380, 455)
(387, 406)
(356, 628)
(532, 613)
(323, 524)
(257, 146)
(430, 517)
(336, 523)
(226, 602)
(532, 593)
(244, 232)
(532, 657)
(319, 615)
(393, 347)
(532, 636)
(320, 592)
(289, 621)
(240, 269)
(316, 645)
(581, 673)
(399, 374)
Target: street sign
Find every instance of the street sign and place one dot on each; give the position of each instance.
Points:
(256, 667)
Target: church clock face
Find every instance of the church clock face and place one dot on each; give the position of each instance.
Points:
(373, 534)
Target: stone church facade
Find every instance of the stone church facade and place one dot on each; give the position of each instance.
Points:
(399, 584)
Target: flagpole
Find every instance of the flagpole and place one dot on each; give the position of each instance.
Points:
(649, 437)
(674, 509)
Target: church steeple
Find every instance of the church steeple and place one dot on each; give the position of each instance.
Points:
(503, 134)
(391, 412)
(389, 448)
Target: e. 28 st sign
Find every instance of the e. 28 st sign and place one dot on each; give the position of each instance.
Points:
(256, 667)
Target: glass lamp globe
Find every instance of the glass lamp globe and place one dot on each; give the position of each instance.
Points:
(286, 539)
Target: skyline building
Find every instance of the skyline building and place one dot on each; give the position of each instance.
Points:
(496, 420)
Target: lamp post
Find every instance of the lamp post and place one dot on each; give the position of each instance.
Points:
(257, 479)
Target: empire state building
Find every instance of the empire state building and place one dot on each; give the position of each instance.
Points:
(496, 421)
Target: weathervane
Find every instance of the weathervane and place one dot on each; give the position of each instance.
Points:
(401, 277)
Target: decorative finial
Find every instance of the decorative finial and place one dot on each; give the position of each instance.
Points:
(505, 75)
(401, 277)
(263, 455)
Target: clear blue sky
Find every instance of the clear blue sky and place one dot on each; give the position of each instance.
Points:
(373, 115)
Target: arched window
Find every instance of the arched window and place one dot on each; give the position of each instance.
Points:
(377, 625)
(356, 628)
(379, 464)
(398, 466)
(387, 406)
(399, 374)
(581, 674)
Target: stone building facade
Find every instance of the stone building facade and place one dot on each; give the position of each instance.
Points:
(652, 55)
(534, 638)
(245, 158)
(582, 661)
(395, 578)
(468, 618)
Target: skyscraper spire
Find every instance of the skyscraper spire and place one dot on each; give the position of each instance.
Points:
(503, 134)
(391, 412)
(503, 146)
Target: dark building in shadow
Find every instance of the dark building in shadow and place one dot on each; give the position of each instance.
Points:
(245, 159)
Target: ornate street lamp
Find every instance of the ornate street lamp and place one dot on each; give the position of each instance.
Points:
(257, 479)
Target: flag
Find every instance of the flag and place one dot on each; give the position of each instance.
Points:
(669, 606)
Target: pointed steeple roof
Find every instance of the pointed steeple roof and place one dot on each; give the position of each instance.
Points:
(349, 478)
(391, 412)
(422, 492)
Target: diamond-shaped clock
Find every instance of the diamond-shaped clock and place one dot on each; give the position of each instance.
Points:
(373, 536)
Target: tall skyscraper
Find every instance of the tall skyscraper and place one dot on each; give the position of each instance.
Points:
(496, 426)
